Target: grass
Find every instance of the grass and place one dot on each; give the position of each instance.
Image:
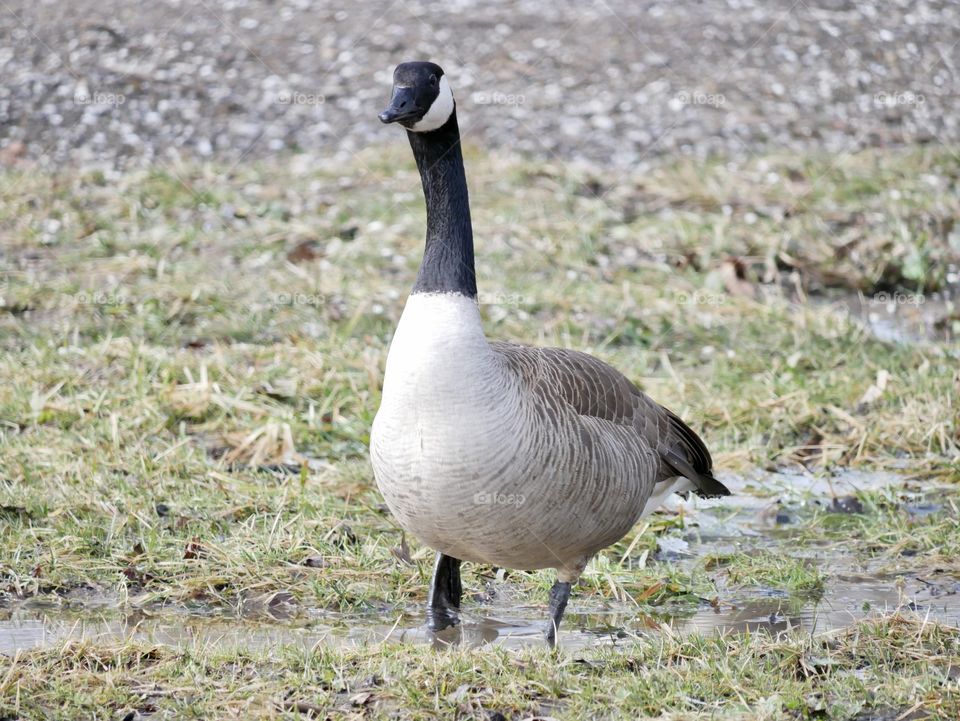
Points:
(898, 663)
(191, 360)
(770, 570)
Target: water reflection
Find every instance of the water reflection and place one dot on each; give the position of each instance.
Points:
(849, 598)
(852, 592)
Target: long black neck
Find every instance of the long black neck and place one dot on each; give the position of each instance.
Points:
(447, 265)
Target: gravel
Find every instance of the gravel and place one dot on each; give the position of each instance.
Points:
(118, 83)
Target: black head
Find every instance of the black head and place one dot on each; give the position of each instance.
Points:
(422, 99)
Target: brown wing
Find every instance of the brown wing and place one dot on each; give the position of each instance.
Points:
(593, 388)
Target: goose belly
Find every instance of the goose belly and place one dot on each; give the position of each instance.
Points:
(489, 490)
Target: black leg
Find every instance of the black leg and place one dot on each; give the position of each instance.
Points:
(443, 601)
(559, 595)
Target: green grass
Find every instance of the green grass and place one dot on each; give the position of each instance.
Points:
(169, 339)
(770, 570)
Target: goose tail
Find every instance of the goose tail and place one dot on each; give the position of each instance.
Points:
(688, 456)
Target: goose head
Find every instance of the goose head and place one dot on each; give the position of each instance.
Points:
(422, 100)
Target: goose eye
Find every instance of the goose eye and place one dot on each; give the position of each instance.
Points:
(433, 80)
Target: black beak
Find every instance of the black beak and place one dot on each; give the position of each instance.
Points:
(402, 106)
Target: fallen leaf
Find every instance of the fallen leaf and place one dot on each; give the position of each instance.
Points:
(135, 575)
(194, 549)
(360, 699)
(402, 552)
(733, 273)
(281, 604)
(875, 391)
(303, 707)
(304, 251)
(650, 591)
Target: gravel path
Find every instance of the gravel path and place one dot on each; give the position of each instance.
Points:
(119, 82)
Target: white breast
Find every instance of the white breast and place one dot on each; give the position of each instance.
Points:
(443, 387)
(441, 371)
(440, 432)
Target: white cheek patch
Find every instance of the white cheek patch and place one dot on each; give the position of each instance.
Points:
(440, 110)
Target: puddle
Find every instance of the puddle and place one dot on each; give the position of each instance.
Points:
(848, 598)
(898, 317)
(758, 516)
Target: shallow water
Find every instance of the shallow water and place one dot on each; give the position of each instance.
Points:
(898, 317)
(758, 516)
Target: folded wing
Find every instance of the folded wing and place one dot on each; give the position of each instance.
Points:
(594, 389)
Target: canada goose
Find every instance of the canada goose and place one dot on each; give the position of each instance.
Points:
(497, 453)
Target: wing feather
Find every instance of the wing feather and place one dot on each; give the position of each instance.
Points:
(595, 389)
